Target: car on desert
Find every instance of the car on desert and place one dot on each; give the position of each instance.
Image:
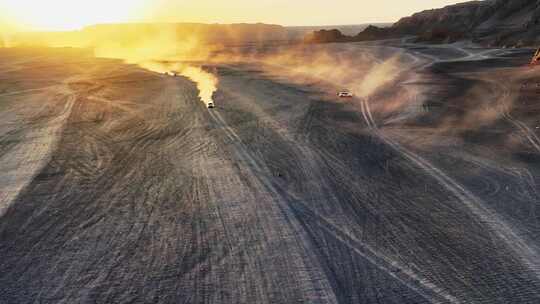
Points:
(345, 94)
(210, 105)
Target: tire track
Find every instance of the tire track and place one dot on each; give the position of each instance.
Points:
(320, 286)
(293, 207)
(528, 255)
(28, 158)
(21, 92)
(506, 102)
(531, 136)
(406, 276)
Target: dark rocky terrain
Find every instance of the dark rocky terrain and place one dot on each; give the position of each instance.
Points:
(495, 22)
(118, 185)
(490, 22)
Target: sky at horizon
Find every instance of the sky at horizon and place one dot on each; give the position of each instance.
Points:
(74, 14)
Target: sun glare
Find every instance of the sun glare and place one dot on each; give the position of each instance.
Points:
(69, 14)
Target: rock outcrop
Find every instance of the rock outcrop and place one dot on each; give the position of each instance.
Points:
(326, 36)
(374, 33)
(489, 22)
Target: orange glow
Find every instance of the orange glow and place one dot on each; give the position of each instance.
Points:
(74, 14)
(56, 15)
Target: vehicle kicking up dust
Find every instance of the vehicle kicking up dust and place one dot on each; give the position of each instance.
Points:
(345, 94)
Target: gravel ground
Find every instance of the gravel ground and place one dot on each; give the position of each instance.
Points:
(118, 185)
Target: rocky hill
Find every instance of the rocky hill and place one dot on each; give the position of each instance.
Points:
(492, 22)
(489, 22)
(326, 36)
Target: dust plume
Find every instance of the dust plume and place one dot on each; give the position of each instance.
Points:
(355, 70)
(206, 82)
(378, 76)
(157, 44)
(164, 52)
(156, 47)
(363, 72)
(162, 47)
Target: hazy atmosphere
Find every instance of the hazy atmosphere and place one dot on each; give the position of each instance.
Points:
(73, 14)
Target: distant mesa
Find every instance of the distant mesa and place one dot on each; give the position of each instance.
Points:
(132, 34)
(369, 33)
(325, 36)
(210, 33)
(374, 33)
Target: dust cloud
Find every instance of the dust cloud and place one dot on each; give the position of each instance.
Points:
(164, 45)
(166, 48)
(161, 51)
(378, 76)
(365, 72)
(158, 48)
(350, 68)
(340, 66)
(207, 82)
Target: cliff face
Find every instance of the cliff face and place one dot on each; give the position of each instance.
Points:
(374, 33)
(492, 22)
(461, 17)
(489, 22)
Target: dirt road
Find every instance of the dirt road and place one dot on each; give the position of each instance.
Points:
(119, 186)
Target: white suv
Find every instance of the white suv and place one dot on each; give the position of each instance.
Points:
(345, 95)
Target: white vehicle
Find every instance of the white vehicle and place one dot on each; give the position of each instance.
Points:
(210, 105)
(345, 94)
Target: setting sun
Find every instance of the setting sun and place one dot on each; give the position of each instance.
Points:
(68, 14)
